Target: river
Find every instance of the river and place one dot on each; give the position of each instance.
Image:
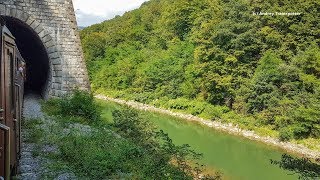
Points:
(236, 157)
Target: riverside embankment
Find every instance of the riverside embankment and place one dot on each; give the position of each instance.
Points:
(228, 128)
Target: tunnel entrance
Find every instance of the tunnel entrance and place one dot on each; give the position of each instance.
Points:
(34, 53)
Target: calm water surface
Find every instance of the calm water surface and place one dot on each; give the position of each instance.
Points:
(236, 157)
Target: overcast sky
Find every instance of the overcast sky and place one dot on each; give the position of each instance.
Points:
(90, 12)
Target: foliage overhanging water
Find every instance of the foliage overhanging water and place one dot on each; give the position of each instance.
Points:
(235, 157)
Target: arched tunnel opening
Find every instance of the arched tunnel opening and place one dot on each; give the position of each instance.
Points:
(33, 52)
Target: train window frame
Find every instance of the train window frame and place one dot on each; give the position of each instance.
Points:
(10, 56)
(17, 65)
(12, 69)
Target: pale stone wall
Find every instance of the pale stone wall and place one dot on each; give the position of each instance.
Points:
(55, 23)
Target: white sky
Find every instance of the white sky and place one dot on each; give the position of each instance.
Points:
(90, 12)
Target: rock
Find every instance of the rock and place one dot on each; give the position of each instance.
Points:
(50, 149)
(24, 161)
(66, 176)
(25, 168)
(27, 176)
(26, 154)
(32, 107)
(80, 128)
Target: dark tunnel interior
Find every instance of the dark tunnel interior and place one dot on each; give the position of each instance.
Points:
(34, 53)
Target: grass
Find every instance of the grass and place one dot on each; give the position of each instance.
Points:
(31, 123)
(311, 143)
(35, 133)
(35, 136)
(100, 152)
(107, 109)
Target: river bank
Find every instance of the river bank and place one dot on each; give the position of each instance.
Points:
(228, 128)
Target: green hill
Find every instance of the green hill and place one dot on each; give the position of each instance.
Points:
(216, 59)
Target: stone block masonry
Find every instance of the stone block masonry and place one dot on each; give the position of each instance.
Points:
(55, 24)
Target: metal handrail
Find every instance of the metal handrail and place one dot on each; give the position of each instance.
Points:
(7, 150)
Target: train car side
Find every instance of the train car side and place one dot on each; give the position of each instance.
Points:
(11, 100)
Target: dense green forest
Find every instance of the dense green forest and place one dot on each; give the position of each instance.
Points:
(216, 59)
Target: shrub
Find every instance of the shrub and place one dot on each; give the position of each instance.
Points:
(36, 133)
(282, 121)
(285, 134)
(315, 132)
(158, 149)
(98, 156)
(178, 104)
(214, 112)
(306, 122)
(196, 107)
(131, 126)
(145, 97)
(51, 106)
(82, 104)
(301, 130)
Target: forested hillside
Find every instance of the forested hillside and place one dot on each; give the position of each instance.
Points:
(216, 59)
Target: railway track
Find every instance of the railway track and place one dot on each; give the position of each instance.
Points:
(33, 164)
(30, 166)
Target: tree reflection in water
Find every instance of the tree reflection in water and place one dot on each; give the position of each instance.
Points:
(304, 167)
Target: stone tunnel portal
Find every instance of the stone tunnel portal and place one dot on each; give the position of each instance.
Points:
(34, 53)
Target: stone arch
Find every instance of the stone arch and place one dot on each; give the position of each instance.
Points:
(54, 56)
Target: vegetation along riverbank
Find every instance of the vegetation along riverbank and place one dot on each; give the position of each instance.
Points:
(218, 61)
(229, 128)
(122, 145)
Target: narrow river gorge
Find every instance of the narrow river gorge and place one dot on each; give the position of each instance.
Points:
(236, 157)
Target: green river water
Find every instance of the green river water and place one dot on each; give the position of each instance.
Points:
(236, 157)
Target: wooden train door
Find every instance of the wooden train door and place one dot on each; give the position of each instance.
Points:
(4, 152)
(9, 59)
(3, 129)
(8, 140)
